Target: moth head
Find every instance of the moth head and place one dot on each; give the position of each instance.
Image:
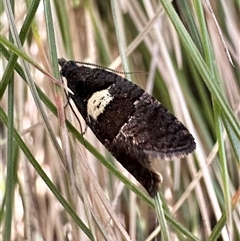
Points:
(67, 67)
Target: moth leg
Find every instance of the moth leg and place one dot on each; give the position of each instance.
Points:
(85, 129)
(68, 101)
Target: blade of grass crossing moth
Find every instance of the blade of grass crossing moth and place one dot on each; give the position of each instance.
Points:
(58, 90)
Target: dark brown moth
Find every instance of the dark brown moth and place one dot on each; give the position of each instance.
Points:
(130, 123)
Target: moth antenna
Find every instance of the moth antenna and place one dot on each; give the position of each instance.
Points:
(112, 70)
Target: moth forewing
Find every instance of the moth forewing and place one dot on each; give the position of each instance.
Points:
(130, 123)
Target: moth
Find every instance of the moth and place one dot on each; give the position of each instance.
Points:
(133, 125)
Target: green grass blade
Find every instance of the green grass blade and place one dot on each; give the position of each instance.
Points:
(10, 165)
(202, 67)
(22, 35)
(45, 178)
(161, 218)
(218, 120)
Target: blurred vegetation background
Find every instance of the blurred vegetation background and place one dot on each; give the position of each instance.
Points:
(52, 187)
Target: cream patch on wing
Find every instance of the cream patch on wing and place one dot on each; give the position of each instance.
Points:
(98, 102)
